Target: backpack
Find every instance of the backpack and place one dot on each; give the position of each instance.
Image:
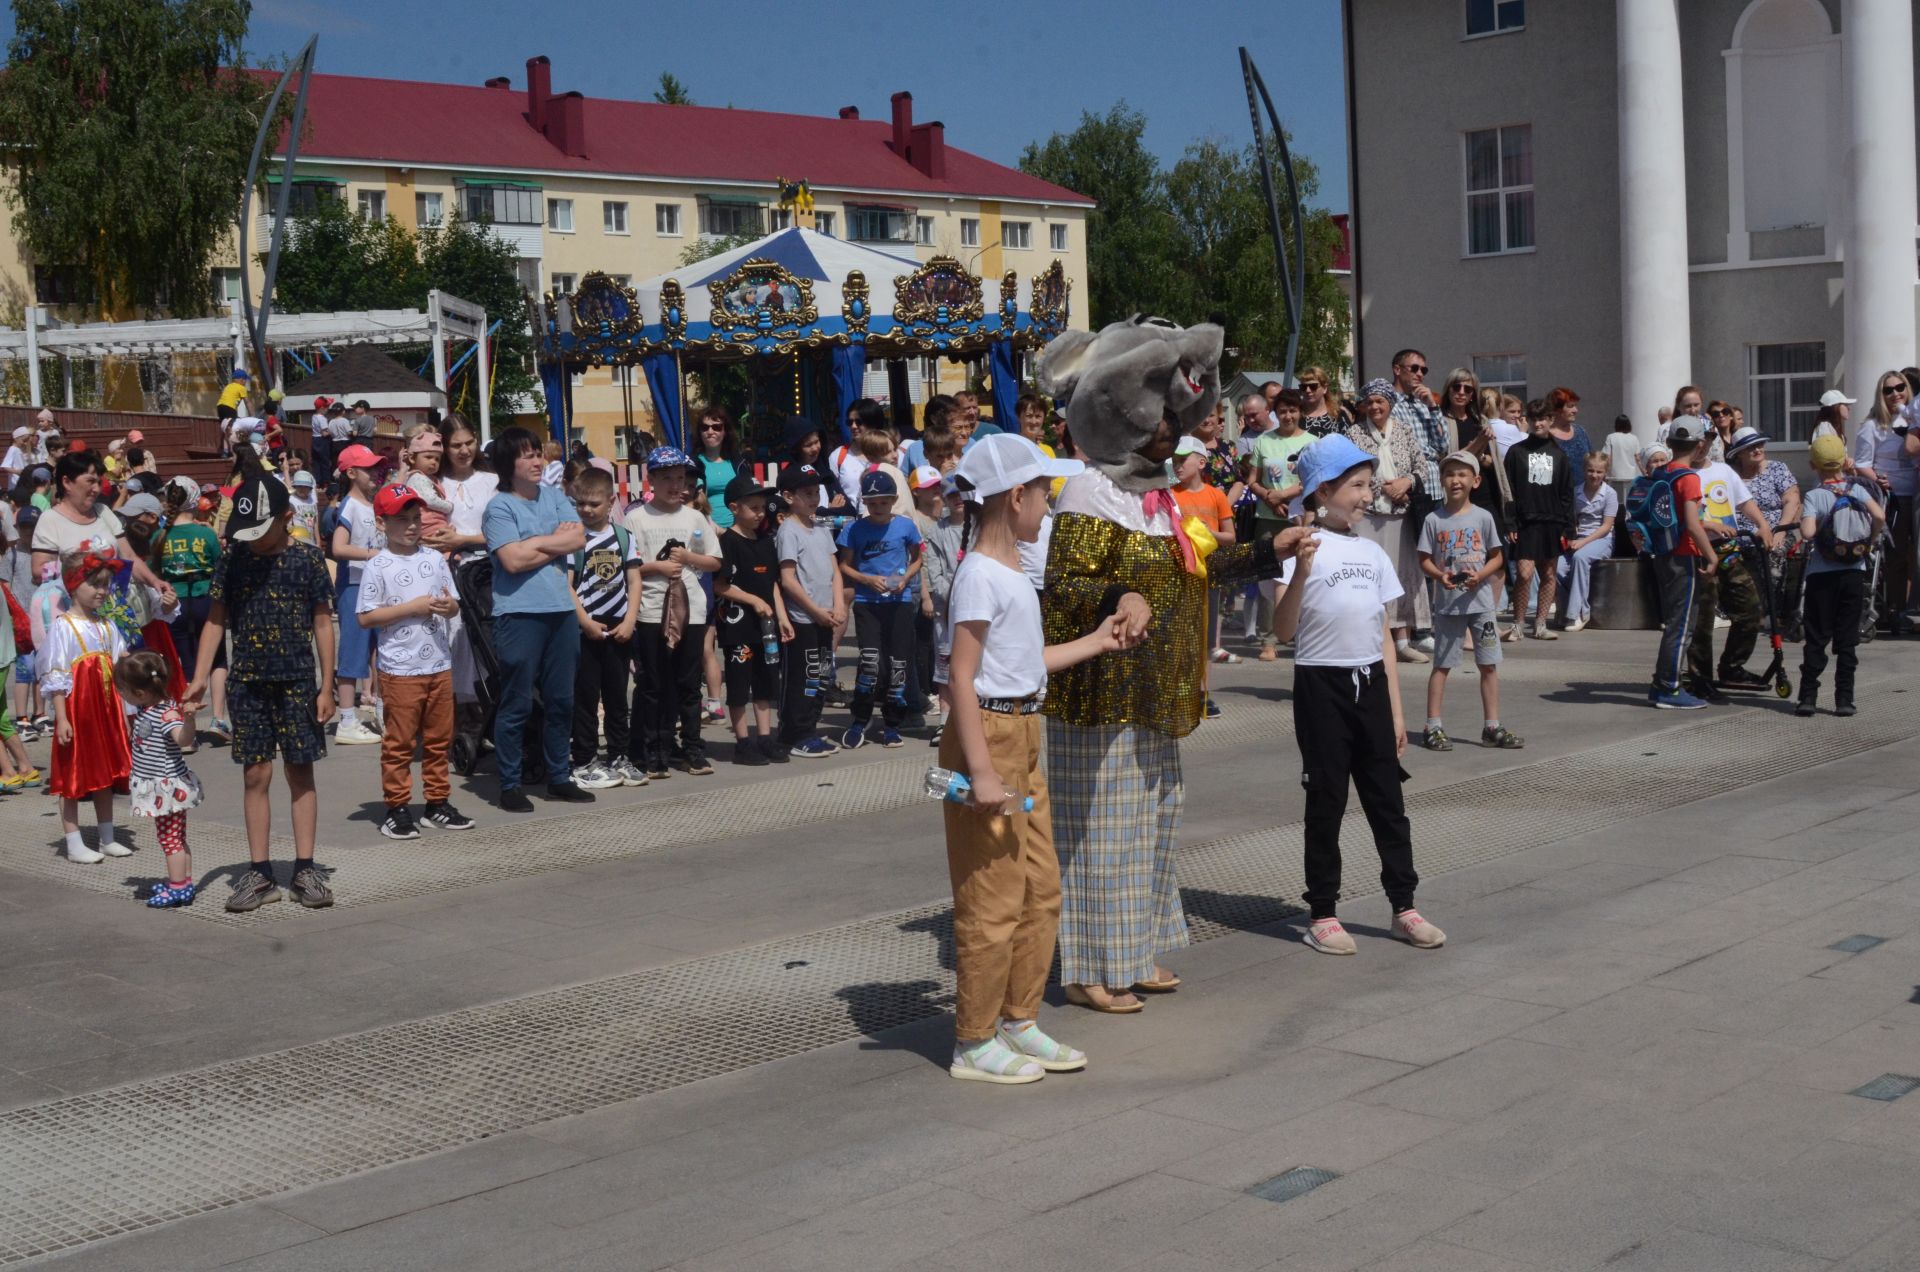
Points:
(1653, 515)
(619, 536)
(1845, 535)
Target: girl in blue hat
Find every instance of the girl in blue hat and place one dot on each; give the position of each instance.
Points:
(1347, 716)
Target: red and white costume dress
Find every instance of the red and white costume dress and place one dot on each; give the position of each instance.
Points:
(80, 654)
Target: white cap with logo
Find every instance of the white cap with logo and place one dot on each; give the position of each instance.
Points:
(996, 464)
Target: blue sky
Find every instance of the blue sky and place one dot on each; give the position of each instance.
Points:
(999, 75)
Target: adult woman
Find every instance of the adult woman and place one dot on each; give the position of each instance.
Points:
(1885, 457)
(802, 445)
(532, 530)
(74, 520)
(469, 490)
(1317, 416)
(1385, 521)
(1832, 420)
(1773, 484)
(1719, 432)
(1223, 465)
(1566, 431)
(714, 429)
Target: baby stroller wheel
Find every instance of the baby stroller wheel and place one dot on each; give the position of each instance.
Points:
(1784, 689)
(465, 755)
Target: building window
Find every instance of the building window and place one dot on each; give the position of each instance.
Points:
(1784, 384)
(526, 272)
(923, 230)
(1057, 237)
(1506, 372)
(625, 280)
(823, 223)
(1499, 190)
(666, 220)
(563, 284)
(880, 225)
(61, 285)
(560, 215)
(502, 204)
(373, 204)
(226, 285)
(969, 231)
(304, 197)
(1017, 234)
(613, 218)
(780, 218)
(428, 209)
(724, 219)
(1490, 17)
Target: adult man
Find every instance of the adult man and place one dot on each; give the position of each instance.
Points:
(1254, 420)
(1420, 413)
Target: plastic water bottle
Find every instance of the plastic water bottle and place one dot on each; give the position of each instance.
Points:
(770, 641)
(954, 787)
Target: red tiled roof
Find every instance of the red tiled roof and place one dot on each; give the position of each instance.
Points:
(402, 122)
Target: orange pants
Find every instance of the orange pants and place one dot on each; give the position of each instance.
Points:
(417, 707)
(1006, 883)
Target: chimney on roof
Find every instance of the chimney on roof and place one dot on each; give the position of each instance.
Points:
(902, 122)
(567, 124)
(849, 112)
(499, 81)
(539, 89)
(928, 150)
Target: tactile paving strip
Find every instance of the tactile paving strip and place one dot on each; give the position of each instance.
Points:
(86, 1167)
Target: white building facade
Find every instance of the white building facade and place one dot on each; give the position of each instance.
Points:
(1625, 196)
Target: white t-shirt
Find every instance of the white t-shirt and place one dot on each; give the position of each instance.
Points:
(1348, 590)
(363, 531)
(1505, 435)
(54, 533)
(1623, 457)
(1033, 556)
(1013, 656)
(16, 462)
(469, 499)
(651, 529)
(1721, 493)
(412, 646)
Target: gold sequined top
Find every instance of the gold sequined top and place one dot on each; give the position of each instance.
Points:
(1091, 563)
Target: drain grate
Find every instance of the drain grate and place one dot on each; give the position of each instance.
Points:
(1888, 1087)
(1297, 1182)
(1858, 944)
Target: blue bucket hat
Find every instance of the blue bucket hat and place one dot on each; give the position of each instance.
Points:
(667, 457)
(1323, 461)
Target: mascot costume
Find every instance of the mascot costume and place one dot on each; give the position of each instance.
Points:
(1119, 545)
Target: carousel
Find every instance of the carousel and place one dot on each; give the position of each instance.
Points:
(797, 308)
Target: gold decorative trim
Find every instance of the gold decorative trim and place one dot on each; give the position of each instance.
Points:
(856, 306)
(1050, 303)
(939, 292)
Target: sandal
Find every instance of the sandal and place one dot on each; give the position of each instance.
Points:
(1225, 657)
(1511, 636)
(1163, 982)
(1107, 1002)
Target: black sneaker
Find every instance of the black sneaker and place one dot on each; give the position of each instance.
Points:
(1844, 707)
(1740, 678)
(251, 892)
(1708, 693)
(399, 824)
(695, 763)
(1805, 708)
(444, 816)
(773, 750)
(747, 754)
(568, 793)
(514, 800)
(310, 887)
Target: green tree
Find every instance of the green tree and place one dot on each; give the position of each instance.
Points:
(127, 126)
(671, 91)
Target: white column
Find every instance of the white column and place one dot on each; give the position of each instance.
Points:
(1656, 343)
(1877, 73)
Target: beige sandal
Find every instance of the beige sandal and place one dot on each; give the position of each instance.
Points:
(1163, 982)
(1107, 1002)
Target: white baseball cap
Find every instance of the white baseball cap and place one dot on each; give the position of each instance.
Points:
(1834, 397)
(996, 464)
(1189, 445)
(925, 477)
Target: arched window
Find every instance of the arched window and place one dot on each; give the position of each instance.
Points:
(1783, 115)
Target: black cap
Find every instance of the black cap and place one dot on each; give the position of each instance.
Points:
(256, 506)
(744, 487)
(794, 476)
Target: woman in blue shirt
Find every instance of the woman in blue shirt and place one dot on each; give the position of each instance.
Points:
(717, 451)
(532, 531)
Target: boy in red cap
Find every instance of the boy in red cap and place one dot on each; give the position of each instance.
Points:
(407, 595)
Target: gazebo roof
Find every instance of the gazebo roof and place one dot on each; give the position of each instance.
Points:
(358, 371)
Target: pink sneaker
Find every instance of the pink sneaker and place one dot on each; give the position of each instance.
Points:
(1408, 926)
(1327, 936)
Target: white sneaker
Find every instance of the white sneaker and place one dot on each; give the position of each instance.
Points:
(1408, 926)
(628, 773)
(596, 777)
(114, 848)
(1574, 624)
(1424, 644)
(354, 733)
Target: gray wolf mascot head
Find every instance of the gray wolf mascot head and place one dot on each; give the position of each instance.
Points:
(1127, 382)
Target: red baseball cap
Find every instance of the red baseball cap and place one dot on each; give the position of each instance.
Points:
(357, 456)
(391, 501)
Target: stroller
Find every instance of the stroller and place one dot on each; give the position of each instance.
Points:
(1760, 564)
(473, 586)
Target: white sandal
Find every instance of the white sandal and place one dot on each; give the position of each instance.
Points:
(994, 1061)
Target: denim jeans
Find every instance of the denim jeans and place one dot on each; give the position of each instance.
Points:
(543, 651)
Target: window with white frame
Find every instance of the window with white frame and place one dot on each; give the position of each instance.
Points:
(563, 284)
(1016, 234)
(1057, 237)
(1784, 384)
(373, 204)
(1499, 190)
(969, 231)
(721, 220)
(780, 218)
(429, 209)
(560, 215)
(923, 230)
(1491, 17)
(1506, 372)
(226, 284)
(613, 217)
(880, 225)
(823, 223)
(666, 220)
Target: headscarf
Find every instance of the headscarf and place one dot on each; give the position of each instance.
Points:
(1379, 385)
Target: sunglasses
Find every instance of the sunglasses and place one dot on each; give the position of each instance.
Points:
(1309, 384)
(1719, 412)
(1892, 389)
(1415, 368)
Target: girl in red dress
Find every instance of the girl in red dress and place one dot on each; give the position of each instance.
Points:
(92, 755)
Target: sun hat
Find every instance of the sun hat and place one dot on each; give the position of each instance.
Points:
(304, 479)
(997, 463)
(1323, 461)
(1745, 439)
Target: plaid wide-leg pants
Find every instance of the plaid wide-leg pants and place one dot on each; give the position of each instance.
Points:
(1117, 793)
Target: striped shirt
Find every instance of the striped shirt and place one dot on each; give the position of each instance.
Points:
(600, 574)
(156, 756)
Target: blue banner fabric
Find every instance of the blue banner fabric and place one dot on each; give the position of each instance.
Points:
(663, 381)
(557, 385)
(849, 377)
(1003, 364)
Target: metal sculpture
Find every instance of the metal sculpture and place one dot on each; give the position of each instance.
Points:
(1292, 267)
(256, 316)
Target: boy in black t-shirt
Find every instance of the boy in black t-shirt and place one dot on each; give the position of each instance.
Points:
(606, 602)
(752, 622)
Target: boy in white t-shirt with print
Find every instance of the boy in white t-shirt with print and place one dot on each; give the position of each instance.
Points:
(1347, 716)
(407, 594)
(673, 540)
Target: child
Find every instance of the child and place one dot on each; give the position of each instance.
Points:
(161, 785)
(675, 542)
(748, 584)
(356, 540)
(880, 558)
(556, 470)
(407, 596)
(1346, 694)
(1683, 568)
(306, 509)
(91, 753)
(1460, 552)
(275, 594)
(1542, 482)
(1271, 483)
(1596, 505)
(1836, 586)
(425, 452)
(606, 602)
(1208, 505)
(938, 515)
(816, 601)
(1006, 877)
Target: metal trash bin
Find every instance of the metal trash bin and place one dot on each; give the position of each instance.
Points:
(1623, 595)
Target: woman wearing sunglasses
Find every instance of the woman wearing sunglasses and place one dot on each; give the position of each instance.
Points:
(1885, 453)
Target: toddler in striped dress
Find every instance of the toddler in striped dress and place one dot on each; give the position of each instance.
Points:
(162, 786)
